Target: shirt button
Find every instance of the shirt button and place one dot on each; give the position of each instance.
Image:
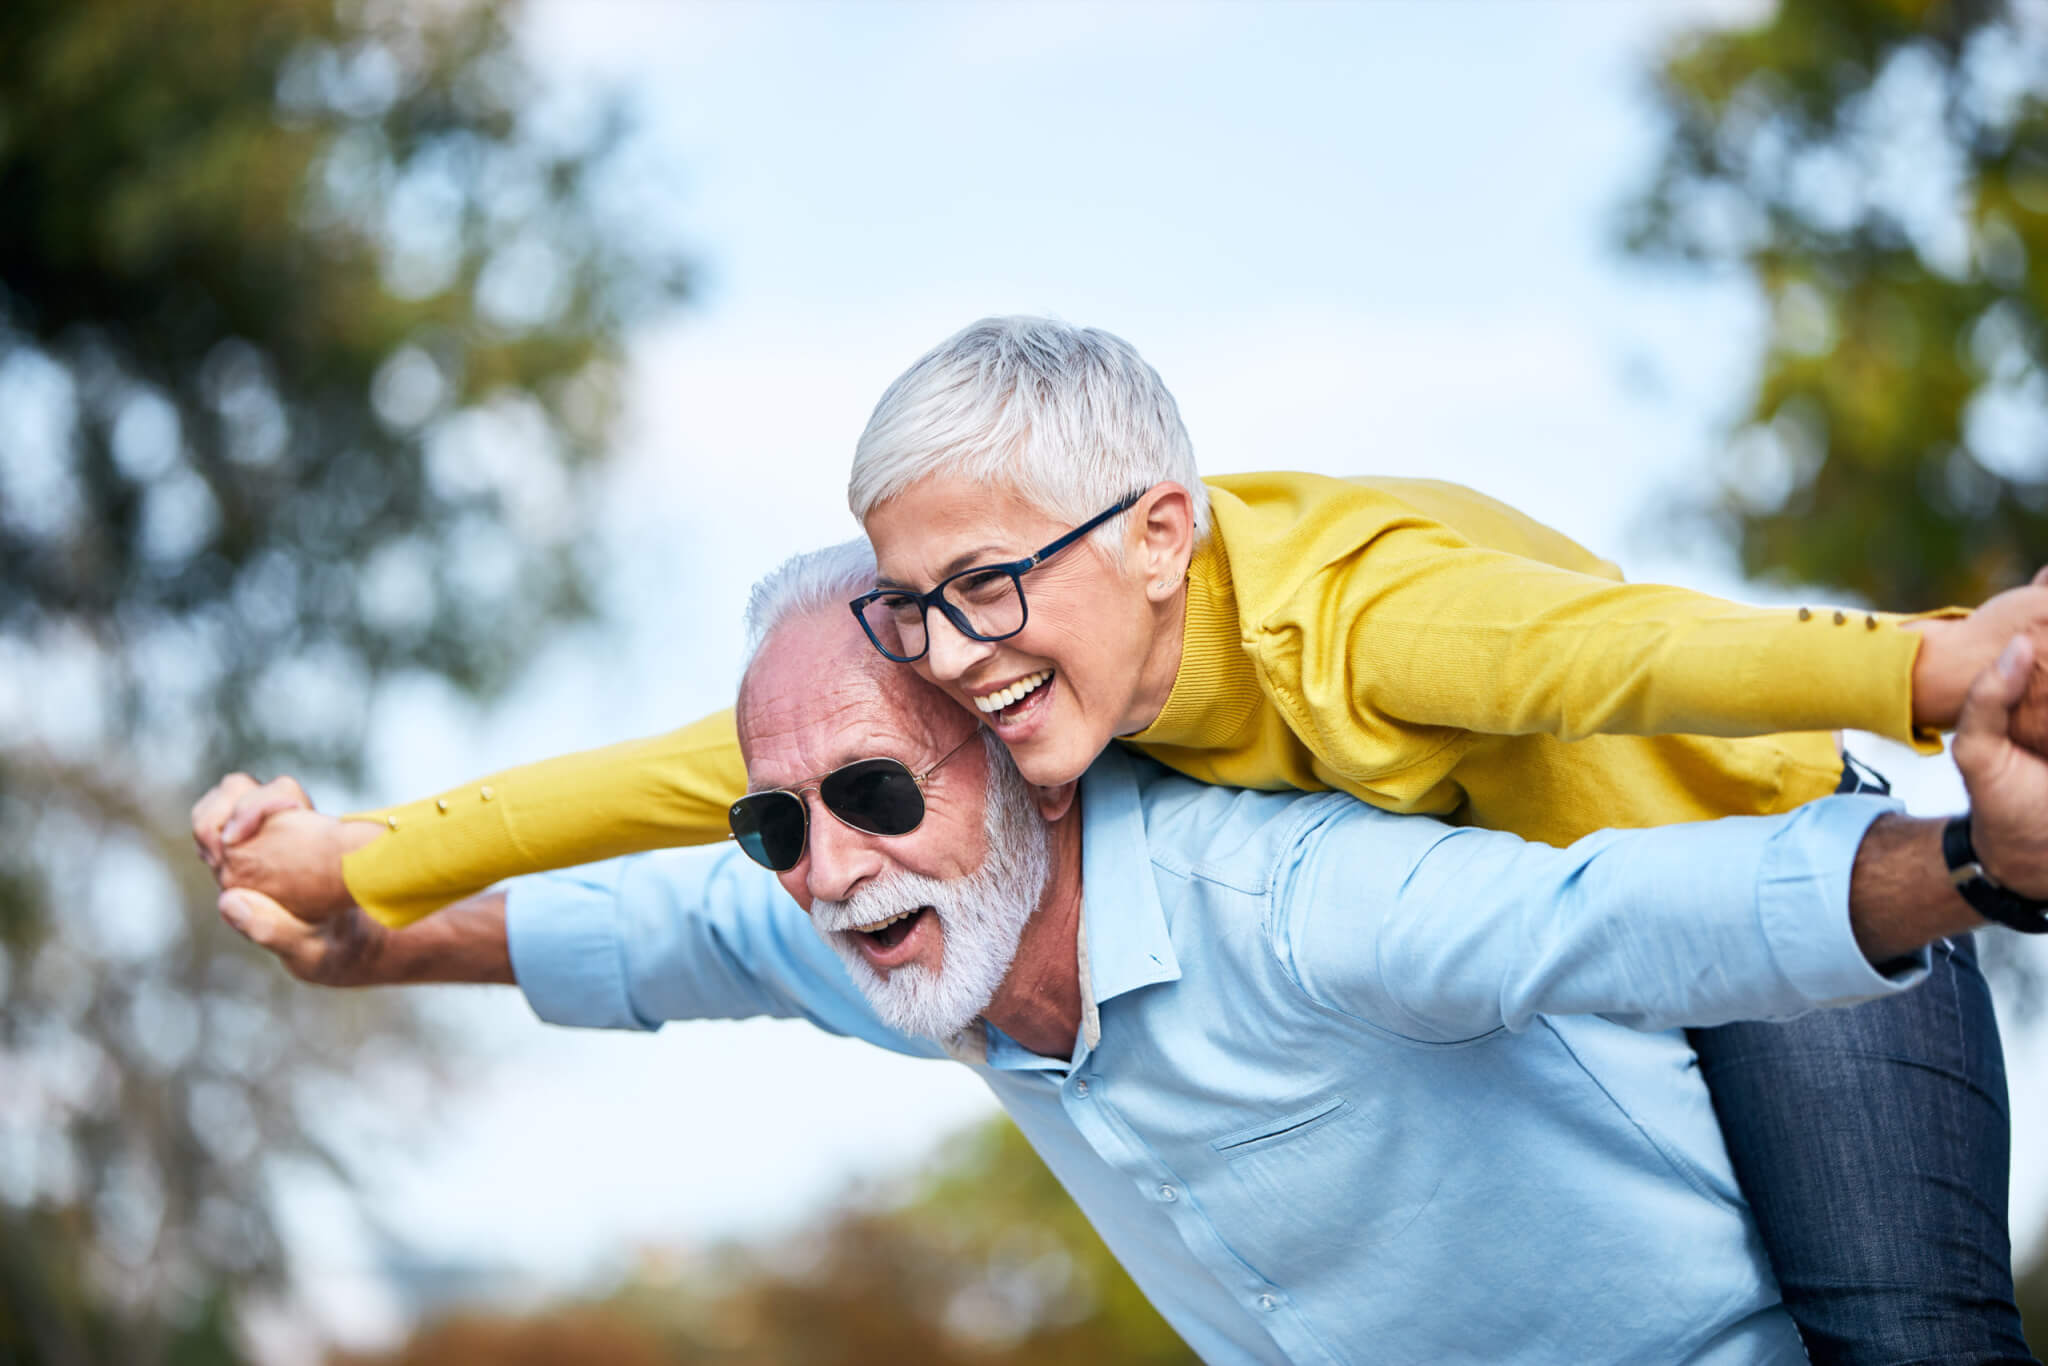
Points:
(1268, 1303)
(1168, 1194)
(1081, 1089)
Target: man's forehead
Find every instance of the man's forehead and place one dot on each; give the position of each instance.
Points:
(818, 694)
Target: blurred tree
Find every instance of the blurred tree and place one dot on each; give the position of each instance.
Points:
(309, 316)
(984, 1261)
(1879, 170)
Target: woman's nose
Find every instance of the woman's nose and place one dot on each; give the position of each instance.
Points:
(949, 653)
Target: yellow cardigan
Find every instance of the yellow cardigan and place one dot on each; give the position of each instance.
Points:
(1414, 643)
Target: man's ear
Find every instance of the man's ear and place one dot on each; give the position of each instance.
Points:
(1055, 802)
(1162, 530)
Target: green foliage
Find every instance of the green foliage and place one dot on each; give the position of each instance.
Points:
(983, 1262)
(1879, 170)
(309, 315)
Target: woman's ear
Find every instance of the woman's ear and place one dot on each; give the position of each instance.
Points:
(1163, 527)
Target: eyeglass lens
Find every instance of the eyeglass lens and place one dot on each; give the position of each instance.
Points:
(990, 602)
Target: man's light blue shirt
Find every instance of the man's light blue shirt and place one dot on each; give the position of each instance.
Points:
(1349, 1086)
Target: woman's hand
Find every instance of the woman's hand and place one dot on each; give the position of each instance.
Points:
(1955, 652)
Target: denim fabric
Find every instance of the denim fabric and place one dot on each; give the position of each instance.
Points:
(1874, 1145)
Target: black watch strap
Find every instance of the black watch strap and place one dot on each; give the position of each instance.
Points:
(1986, 897)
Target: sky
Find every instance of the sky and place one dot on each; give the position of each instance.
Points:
(1352, 238)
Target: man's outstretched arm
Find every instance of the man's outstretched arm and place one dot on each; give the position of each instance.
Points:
(466, 942)
(1441, 934)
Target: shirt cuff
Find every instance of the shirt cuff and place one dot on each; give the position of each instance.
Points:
(562, 930)
(1808, 863)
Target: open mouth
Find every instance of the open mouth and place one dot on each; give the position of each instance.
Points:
(1008, 706)
(891, 942)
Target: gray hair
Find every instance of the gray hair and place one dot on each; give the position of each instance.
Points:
(814, 581)
(824, 580)
(1071, 418)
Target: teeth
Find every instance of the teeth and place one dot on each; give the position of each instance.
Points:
(1015, 693)
(881, 925)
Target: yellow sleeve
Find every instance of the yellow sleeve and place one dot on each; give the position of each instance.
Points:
(1386, 654)
(623, 799)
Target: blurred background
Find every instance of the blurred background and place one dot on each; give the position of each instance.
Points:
(395, 391)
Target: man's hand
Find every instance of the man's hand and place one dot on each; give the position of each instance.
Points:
(1900, 896)
(344, 949)
(267, 838)
(1955, 652)
(278, 863)
(2007, 782)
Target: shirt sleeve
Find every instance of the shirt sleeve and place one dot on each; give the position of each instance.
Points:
(1411, 635)
(1439, 934)
(666, 790)
(636, 942)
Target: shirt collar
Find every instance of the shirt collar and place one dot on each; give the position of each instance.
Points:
(1124, 942)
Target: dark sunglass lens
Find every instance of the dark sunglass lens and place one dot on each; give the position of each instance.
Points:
(875, 795)
(769, 827)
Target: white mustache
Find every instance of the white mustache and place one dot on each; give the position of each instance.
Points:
(901, 893)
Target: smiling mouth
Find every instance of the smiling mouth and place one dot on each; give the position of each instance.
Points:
(1003, 704)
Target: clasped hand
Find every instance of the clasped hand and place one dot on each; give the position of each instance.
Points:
(278, 864)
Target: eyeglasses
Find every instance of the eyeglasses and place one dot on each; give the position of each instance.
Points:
(984, 603)
(873, 796)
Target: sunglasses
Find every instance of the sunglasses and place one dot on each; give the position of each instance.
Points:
(873, 796)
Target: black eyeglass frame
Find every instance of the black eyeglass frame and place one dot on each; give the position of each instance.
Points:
(1016, 569)
(817, 785)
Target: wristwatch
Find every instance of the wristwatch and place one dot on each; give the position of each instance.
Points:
(1986, 897)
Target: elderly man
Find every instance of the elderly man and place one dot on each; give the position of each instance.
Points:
(1333, 1084)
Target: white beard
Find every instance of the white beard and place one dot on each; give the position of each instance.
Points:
(981, 917)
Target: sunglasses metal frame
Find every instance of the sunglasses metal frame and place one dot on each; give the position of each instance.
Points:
(817, 783)
(1016, 569)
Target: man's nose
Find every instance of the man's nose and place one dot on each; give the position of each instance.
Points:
(949, 653)
(840, 858)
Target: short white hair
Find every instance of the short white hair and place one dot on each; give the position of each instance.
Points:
(1071, 418)
(825, 581)
(815, 581)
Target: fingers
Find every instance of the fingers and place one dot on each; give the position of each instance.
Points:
(2030, 716)
(259, 804)
(1982, 730)
(211, 812)
(2041, 577)
(260, 920)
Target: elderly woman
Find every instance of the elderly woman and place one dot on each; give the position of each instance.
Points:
(1049, 557)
